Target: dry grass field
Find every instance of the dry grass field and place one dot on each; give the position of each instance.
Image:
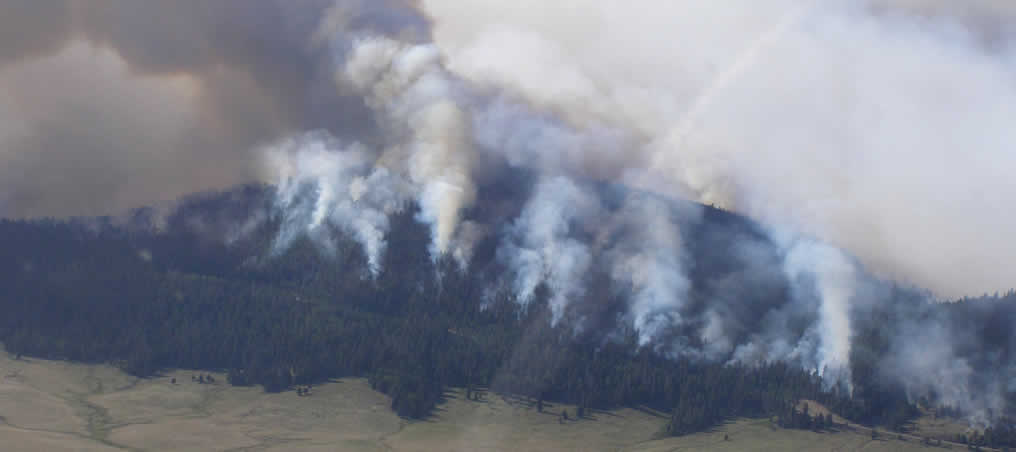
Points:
(760, 435)
(58, 406)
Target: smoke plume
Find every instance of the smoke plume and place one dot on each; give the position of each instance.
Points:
(407, 87)
(649, 260)
(543, 244)
(871, 137)
(876, 125)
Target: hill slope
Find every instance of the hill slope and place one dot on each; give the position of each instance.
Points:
(207, 286)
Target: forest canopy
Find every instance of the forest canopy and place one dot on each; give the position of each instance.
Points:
(149, 294)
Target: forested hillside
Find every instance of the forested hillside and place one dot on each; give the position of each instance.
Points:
(206, 287)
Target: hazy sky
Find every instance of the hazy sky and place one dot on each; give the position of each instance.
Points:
(887, 127)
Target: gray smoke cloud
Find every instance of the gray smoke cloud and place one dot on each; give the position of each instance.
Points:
(880, 126)
(112, 104)
(878, 129)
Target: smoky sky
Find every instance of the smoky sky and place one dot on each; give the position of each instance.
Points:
(112, 104)
(882, 126)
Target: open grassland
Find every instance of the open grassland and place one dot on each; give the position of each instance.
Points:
(762, 435)
(58, 406)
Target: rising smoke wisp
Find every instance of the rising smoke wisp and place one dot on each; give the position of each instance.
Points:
(872, 136)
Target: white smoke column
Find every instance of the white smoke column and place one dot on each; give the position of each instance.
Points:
(649, 262)
(835, 280)
(321, 182)
(414, 96)
(541, 244)
(441, 163)
(823, 286)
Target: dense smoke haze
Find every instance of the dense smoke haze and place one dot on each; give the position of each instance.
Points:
(872, 138)
(112, 104)
(882, 127)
